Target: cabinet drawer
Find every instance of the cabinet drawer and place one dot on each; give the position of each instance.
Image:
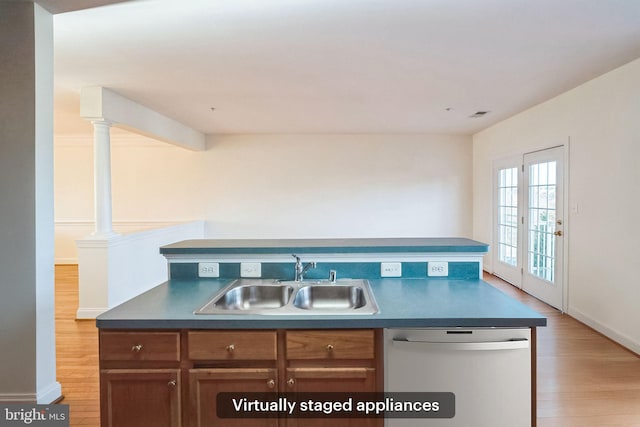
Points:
(336, 344)
(232, 345)
(140, 346)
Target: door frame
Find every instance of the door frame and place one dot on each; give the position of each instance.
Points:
(505, 160)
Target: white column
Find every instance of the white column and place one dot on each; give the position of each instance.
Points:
(102, 178)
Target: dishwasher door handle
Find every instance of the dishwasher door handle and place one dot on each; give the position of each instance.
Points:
(516, 344)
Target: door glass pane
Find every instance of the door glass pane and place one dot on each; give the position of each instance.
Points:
(508, 216)
(542, 220)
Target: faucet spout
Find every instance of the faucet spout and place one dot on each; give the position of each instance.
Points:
(307, 267)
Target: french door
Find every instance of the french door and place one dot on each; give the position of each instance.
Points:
(507, 239)
(543, 225)
(530, 218)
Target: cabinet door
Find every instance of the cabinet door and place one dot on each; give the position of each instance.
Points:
(343, 380)
(205, 384)
(140, 398)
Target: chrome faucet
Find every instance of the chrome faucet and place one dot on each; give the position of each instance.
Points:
(300, 269)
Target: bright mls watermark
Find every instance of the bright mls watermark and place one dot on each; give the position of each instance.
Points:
(34, 415)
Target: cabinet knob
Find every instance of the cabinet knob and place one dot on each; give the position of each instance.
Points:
(271, 383)
(136, 348)
(291, 382)
(231, 348)
(172, 383)
(329, 347)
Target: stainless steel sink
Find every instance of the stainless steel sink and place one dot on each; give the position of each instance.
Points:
(245, 297)
(271, 297)
(330, 297)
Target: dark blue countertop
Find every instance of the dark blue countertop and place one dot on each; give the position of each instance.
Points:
(406, 303)
(312, 246)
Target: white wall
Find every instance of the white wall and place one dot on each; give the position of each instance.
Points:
(290, 186)
(118, 268)
(151, 180)
(27, 332)
(274, 186)
(601, 118)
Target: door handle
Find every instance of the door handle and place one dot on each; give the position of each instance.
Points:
(557, 233)
(469, 346)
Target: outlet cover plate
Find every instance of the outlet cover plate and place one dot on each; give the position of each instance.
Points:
(250, 269)
(437, 268)
(390, 269)
(208, 269)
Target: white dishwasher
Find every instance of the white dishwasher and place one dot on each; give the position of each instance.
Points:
(488, 370)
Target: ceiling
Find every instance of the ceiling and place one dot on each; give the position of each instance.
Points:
(337, 66)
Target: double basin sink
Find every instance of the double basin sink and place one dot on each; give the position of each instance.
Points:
(308, 297)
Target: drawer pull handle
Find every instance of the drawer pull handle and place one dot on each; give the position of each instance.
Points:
(271, 383)
(172, 383)
(136, 348)
(329, 347)
(291, 382)
(231, 348)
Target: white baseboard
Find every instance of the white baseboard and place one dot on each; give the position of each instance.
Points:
(89, 313)
(612, 334)
(487, 268)
(18, 397)
(50, 394)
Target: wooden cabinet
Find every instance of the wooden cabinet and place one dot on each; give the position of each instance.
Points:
(229, 353)
(205, 384)
(172, 378)
(140, 398)
(332, 361)
(140, 379)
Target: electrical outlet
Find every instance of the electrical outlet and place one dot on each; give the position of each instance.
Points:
(390, 269)
(437, 268)
(250, 269)
(208, 269)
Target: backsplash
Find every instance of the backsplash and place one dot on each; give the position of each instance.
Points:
(360, 270)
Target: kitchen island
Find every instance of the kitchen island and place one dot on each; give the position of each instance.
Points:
(154, 344)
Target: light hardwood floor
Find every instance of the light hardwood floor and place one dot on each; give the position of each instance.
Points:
(584, 379)
(77, 352)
